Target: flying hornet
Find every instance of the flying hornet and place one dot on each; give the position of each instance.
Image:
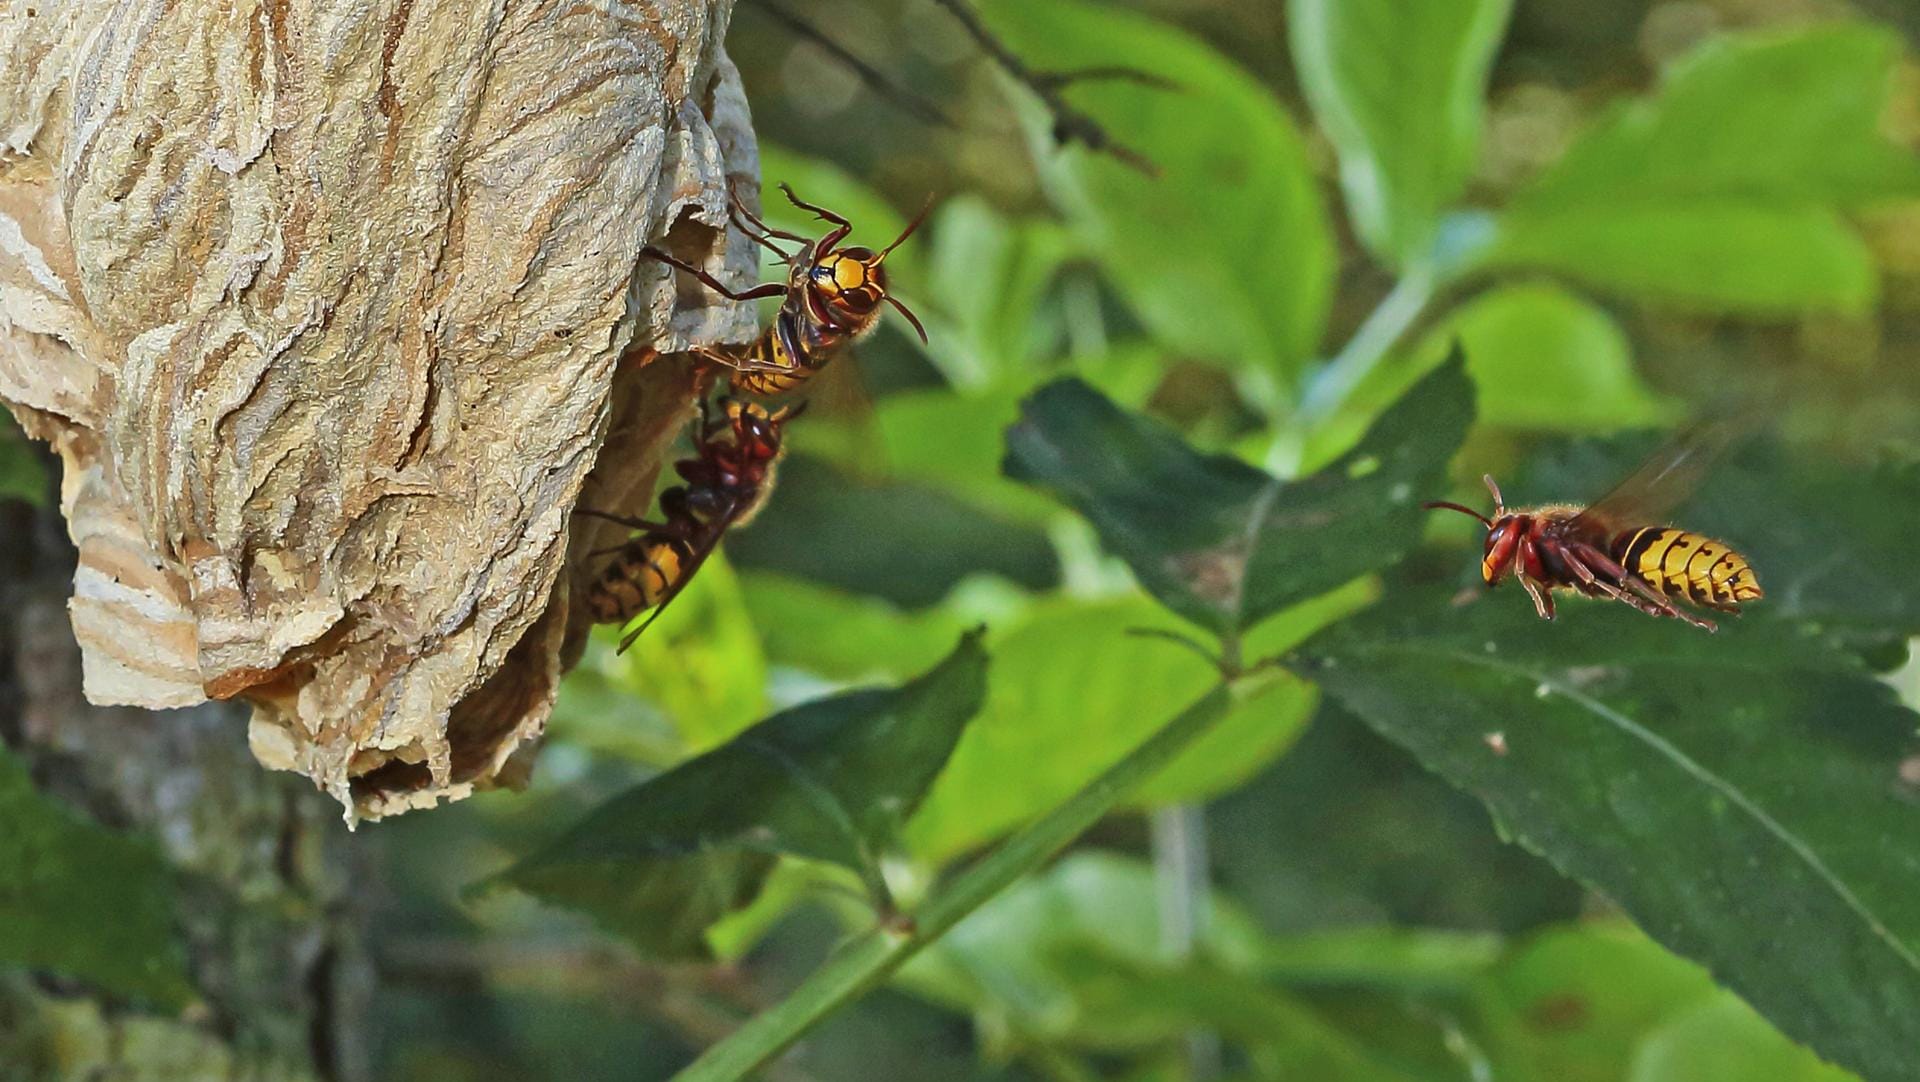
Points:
(1608, 549)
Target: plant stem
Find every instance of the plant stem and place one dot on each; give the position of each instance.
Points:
(1181, 876)
(1384, 327)
(871, 957)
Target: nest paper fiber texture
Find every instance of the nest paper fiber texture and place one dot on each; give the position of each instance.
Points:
(322, 304)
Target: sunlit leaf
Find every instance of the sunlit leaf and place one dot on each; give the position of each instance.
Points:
(1073, 693)
(987, 277)
(1723, 190)
(875, 221)
(1218, 541)
(830, 780)
(1227, 254)
(83, 901)
(1400, 90)
(700, 663)
(1722, 1040)
(843, 636)
(1726, 790)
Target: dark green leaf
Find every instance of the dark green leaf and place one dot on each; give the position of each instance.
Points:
(1723, 191)
(900, 540)
(1347, 829)
(84, 901)
(1222, 543)
(1398, 88)
(1727, 790)
(1227, 254)
(831, 780)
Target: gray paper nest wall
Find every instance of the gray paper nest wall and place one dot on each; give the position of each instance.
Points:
(323, 304)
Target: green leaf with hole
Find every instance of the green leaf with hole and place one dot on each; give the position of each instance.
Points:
(831, 780)
(1600, 1002)
(1723, 192)
(1725, 790)
(1218, 541)
(1227, 254)
(83, 901)
(1400, 90)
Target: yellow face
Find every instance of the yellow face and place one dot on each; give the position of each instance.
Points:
(851, 279)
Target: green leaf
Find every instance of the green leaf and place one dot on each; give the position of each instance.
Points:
(897, 539)
(22, 477)
(1722, 191)
(1217, 541)
(843, 636)
(84, 901)
(1722, 1040)
(700, 663)
(1348, 829)
(986, 279)
(1073, 693)
(1726, 790)
(1541, 358)
(1399, 90)
(875, 221)
(830, 780)
(1227, 255)
(1574, 1001)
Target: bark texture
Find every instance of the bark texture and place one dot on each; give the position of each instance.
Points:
(270, 928)
(322, 304)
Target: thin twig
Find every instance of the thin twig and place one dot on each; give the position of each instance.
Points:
(1070, 125)
(876, 80)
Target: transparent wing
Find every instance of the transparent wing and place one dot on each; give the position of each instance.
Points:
(1665, 479)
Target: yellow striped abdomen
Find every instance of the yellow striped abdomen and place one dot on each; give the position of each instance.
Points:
(1688, 566)
(635, 580)
(785, 355)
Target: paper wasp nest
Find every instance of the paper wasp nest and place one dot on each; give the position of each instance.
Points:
(322, 304)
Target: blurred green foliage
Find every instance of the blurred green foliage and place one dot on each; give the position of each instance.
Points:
(1382, 251)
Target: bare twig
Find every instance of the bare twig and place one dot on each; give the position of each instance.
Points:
(876, 80)
(1070, 125)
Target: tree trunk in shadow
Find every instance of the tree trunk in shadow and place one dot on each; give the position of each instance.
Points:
(273, 938)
